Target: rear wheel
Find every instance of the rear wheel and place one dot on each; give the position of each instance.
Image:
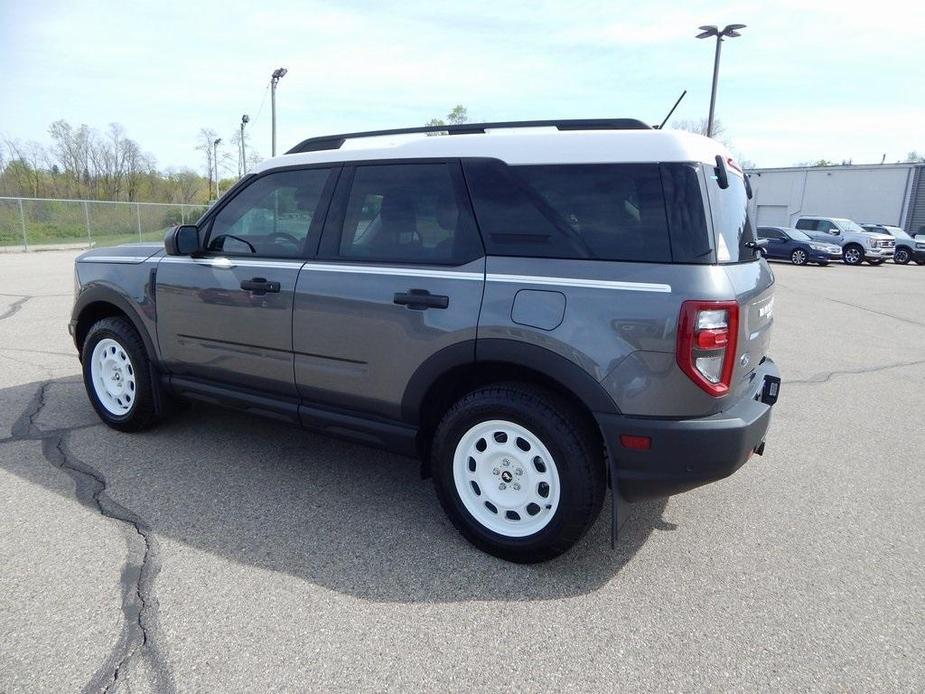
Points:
(518, 471)
(798, 257)
(902, 256)
(117, 375)
(853, 255)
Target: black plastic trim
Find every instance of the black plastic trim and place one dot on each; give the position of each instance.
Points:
(560, 369)
(103, 293)
(326, 142)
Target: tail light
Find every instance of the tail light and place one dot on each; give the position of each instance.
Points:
(707, 337)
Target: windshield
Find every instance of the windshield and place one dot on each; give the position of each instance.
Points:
(798, 235)
(735, 237)
(848, 225)
(899, 233)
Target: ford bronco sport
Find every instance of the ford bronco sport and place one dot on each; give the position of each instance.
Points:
(536, 310)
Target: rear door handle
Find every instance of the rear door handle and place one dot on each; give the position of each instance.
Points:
(259, 285)
(421, 299)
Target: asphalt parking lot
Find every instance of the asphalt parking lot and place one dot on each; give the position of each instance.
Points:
(221, 553)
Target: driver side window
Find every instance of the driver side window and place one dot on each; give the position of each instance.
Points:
(271, 217)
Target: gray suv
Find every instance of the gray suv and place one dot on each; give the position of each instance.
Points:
(536, 310)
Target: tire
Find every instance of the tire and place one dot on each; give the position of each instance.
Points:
(822, 263)
(920, 262)
(117, 375)
(554, 464)
(853, 255)
(875, 262)
(902, 256)
(798, 257)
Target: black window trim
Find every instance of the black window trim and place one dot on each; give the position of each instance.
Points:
(328, 245)
(310, 243)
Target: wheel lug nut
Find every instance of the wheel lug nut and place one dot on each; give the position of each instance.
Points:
(516, 486)
(496, 471)
(519, 471)
(502, 486)
(507, 463)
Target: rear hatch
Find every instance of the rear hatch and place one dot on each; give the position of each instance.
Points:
(749, 274)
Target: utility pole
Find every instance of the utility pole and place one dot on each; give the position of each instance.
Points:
(729, 30)
(245, 119)
(215, 161)
(277, 75)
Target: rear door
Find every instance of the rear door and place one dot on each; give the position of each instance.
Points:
(225, 315)
(398, 278)
(750, 276)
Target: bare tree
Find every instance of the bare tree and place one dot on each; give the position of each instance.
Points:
(700, 127)
(206, 137)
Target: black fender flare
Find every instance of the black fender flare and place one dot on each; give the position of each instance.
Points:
(563, 371)
(105, 293)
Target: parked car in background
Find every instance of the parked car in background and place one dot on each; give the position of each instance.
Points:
(857, 244)
(907, 248)
(797, 246)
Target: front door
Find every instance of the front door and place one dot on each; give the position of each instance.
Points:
(225, 315)
(398, 278)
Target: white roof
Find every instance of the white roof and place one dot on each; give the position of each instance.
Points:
(523, 146)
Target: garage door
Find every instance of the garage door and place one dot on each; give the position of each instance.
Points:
(773, 216)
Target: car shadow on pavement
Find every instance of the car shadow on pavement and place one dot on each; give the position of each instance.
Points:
(346, 517)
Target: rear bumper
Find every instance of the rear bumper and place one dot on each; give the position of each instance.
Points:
(688, 453)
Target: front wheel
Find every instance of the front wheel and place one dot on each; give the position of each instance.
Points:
(902, 256)
(798, 257)
(853, 255)
(117, 375)
(518, 471)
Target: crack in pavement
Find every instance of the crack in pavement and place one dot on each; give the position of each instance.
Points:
(826, 376)
(15, 306)
(139, 605)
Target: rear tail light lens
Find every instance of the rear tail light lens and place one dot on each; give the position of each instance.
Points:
(707, 337)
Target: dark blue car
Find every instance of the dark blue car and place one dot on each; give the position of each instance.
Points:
(797, 247)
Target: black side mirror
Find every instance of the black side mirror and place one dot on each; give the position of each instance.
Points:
(182, 240)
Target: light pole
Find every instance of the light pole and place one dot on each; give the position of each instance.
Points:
(277, 75)
(245, 119)
(215, 144)
(730, 30)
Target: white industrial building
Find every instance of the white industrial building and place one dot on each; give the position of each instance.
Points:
(880, 194)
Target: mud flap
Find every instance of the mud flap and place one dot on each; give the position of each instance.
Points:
(618, 505)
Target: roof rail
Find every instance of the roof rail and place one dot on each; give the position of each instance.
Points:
(315, 144)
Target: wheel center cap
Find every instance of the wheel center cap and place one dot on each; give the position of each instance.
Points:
(506, 476)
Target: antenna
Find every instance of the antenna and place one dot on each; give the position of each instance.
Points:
(659, 127)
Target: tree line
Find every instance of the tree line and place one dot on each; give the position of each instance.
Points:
(84, 163)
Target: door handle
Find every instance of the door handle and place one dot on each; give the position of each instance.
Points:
(259, 285)
(421, 299)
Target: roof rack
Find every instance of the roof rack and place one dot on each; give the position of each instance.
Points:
(315, 144)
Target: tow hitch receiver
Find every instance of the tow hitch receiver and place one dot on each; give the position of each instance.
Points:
(770, 390)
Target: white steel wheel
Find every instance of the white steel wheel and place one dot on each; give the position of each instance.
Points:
(506, 478)
(113, 377)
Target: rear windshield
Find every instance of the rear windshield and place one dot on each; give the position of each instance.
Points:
(632, 212)
(735, 236)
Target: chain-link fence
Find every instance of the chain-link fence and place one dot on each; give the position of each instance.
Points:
(35, 223)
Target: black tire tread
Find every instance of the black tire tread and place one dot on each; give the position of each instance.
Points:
(145, 413)
(571, 431)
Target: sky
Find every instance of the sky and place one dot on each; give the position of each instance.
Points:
(805, 81)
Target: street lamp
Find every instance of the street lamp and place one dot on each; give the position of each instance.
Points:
(245, 119)
(277, 75)
(730, 30)
(215, 160)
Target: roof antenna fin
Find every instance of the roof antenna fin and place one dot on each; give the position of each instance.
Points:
(659, 127)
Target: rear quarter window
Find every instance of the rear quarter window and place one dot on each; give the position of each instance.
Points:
(593, 211)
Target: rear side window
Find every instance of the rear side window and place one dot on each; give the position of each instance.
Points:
(735, 236)
(806, 224)
(601, 211)
(413, 213)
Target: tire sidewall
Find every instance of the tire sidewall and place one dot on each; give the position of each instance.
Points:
(445, 443)
(142, 406)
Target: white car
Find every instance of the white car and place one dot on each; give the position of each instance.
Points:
(857, 244)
